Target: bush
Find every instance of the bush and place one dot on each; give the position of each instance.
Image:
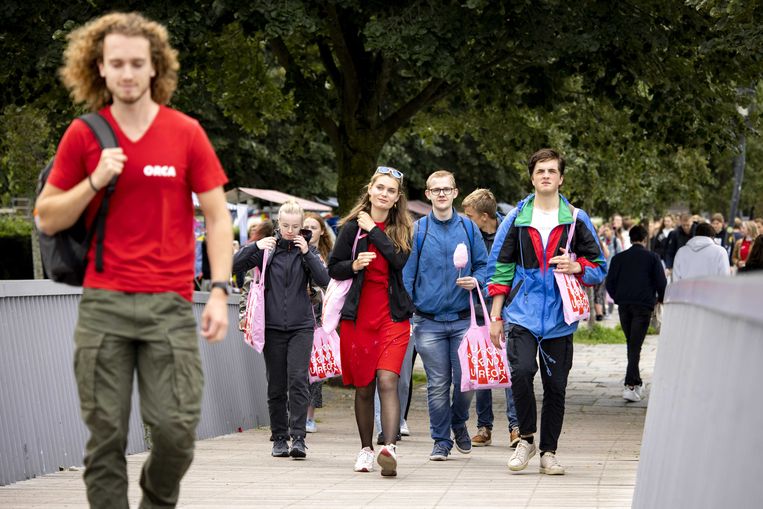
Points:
(15, 226)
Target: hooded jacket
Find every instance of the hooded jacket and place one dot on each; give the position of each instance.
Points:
(700, 257)
(287, 302)
(518, 267)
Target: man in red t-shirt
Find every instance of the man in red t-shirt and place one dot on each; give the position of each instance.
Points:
(136, 313)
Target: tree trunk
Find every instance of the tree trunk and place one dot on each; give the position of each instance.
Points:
(356, 163)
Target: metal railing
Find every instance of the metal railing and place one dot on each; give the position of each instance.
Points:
(40, 426)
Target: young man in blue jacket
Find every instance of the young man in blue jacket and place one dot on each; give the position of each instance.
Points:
(440, 294)
(528, 249)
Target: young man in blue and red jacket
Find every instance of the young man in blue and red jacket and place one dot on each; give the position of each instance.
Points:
(528, 249)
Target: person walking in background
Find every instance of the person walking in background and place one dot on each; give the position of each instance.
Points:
(440, 293)
(135, 313)
(701, 256)
(375, 326)
(323, 242)
(754, 262)
(480, 206)
(678, 239)
(742, 246)
(528, 249)
(636, 281)
(292, 266)
(660, 241)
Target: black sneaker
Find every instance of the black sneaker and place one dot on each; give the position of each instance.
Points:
(298, 447)
(280, 447)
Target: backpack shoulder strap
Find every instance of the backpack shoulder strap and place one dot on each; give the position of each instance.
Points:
(106, 139)
(101, 129)
(420, 238)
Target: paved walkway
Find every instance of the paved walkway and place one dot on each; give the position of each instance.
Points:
(599, 448)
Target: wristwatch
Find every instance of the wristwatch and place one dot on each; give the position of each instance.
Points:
(496, 319)
(222, 285)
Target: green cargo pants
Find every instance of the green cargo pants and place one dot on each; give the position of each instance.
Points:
(154, 334)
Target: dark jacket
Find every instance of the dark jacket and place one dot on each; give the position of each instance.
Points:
(340, 268)
(636, 276)
(287, 301)
(676, 240)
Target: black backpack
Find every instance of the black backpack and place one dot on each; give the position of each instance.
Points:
(64, 254)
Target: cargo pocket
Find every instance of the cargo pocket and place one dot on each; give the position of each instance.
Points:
(187, 379)
(87, 346)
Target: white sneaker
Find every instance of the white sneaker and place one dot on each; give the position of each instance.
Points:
(521, 457)
(639, 390)
(365, 460)
(549, 465)
(387, 460)
(404, 431)
(310, 426)
(630, 394)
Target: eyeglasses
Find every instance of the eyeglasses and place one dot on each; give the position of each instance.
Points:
(385, 170)
(447, 191)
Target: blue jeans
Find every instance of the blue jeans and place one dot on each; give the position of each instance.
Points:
(485, 409)
(437, 343)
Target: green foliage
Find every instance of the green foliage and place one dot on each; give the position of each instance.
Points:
(14, 226)
(24, 149)
(307, 97)
(598, 334)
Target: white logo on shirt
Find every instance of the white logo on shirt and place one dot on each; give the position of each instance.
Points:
(159, 171)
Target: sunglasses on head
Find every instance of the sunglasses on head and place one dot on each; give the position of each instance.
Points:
(385, 170)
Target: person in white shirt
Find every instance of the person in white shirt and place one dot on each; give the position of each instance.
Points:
(701, 256)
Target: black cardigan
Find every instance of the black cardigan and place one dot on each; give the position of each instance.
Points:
(340, 267)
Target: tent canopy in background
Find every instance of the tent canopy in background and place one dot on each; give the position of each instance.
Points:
(419, 207)
(241, 194)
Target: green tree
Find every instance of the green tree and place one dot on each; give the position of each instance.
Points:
(24, 149)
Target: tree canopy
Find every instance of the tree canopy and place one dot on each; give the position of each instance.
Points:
(308, 96)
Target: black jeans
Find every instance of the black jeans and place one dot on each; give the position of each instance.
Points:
(634, 319)
(523, 354)
(287, 363)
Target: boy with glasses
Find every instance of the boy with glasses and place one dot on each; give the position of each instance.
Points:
(440, 295)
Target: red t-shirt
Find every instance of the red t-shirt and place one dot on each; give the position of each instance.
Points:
(149, 238)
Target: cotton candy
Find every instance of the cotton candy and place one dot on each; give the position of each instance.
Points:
(460, 256)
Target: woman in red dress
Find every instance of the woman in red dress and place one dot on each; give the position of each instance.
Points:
(375, 325)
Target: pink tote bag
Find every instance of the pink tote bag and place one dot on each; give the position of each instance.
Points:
(254, 322)
(336, 293)
(483, 366)
(574, 298)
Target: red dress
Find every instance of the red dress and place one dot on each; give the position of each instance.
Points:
(373, 341)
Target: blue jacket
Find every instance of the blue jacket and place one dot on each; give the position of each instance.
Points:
(429, 275)
(518, 266)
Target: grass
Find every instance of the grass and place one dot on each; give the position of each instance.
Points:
(598, 335)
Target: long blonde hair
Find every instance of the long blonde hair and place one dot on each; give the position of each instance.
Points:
(398, 226)
(85, 51)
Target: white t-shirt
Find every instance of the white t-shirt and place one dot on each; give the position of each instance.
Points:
(544, 222)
